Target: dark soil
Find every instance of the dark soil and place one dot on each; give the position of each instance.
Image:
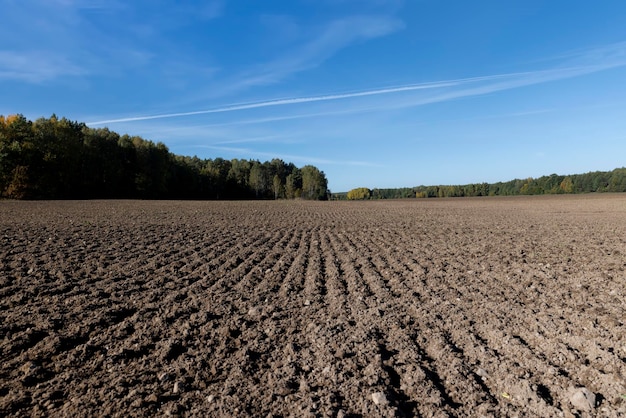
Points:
(455, 307)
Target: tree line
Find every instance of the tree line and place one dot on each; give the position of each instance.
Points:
(597, 181)
(54, 158)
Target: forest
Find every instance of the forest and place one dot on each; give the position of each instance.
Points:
(54, 158)
(597, 181)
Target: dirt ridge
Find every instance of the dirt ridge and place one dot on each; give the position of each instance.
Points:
(444, 307)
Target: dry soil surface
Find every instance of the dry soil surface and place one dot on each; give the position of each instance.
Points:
(454, 307)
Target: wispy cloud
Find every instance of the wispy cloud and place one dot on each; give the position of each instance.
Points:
(36, 66)
(282, 102)
(326, 42)
(265, 138)
(290, 157)
(210, 10)
(452, 89)
(82, 38)
(498, 83)
(611, 53)
(62, 39)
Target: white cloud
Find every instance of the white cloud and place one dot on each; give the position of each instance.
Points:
(250, 153)
(452, 89)
(325, 42)
(257, 139)
(56, 38)
(211, 10)
(36, 66)
(289, 101)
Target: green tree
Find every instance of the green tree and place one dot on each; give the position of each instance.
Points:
(238, 177)
(259, 181)
(314, 183)
(214, 177)
(277, 187)
(18, 154)
(10, 151)
(153, 168)
(128, 162)
(617, 181)
(103, 167)
(58, 158)
(293, 185)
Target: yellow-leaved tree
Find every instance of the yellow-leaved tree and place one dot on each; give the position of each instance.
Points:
(360, 193)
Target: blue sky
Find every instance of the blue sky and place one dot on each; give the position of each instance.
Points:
(376, 93)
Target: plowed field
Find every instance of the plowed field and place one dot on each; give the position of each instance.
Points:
(454, 307)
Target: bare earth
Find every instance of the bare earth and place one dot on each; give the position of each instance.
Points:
(454, 307)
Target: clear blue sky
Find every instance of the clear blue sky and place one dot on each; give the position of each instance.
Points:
(376, 93)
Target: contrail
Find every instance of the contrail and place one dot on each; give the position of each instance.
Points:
(529, 77)
(280, 102)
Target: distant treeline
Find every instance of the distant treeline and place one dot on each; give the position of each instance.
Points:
(60, 159)
(597, 181)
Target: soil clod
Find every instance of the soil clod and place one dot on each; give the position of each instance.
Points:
(509, 306)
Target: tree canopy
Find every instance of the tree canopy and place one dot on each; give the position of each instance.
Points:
(597, 181)
(360, 193)
(60, 159)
